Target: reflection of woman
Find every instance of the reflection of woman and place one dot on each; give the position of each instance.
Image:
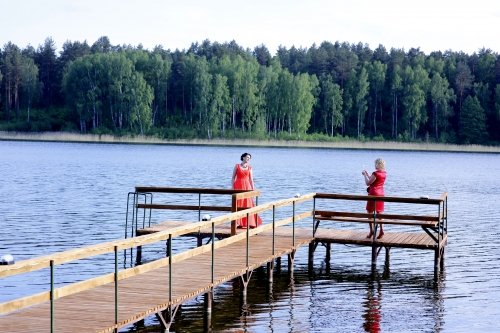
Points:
(375, 181)
(243, 180)
(372, 313)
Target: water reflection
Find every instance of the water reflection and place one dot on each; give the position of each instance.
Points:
(372, 315)
(339, 301)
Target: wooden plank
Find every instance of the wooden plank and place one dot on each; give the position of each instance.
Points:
(426, 218)
(165, 189)
(185, 207)
(356, 197)
(23, 302)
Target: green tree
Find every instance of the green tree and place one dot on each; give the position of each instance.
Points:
(46, 61)
(220, 106)
(331, 104)
(303, 101)
(414, 98)
(30, 86)
(472, 121)
(12, 68)
(441, 95)
(376, 76)
(396, 87)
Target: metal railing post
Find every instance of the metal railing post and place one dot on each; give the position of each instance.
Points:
(293, 225)
(116, 287)
(213, 252)
(52, 296)
(313, 215)
(199, 207)
(274, 228)
(170, 270)
(248, 238)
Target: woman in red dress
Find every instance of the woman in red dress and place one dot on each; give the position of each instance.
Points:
(243, 180)
(375, 181)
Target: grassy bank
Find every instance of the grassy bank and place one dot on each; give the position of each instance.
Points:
(352, 144)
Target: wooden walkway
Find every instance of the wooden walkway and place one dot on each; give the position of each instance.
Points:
(115, 300)
(143, 295)
(415, 240)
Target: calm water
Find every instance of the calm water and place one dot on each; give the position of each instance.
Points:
(57, 196)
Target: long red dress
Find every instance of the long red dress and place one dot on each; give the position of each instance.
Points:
(377, 189)
(242, 182)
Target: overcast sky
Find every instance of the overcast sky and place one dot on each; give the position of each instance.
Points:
(431, 25)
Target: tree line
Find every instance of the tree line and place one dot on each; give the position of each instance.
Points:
(323, 92)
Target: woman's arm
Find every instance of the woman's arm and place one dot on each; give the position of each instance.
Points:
(233, 178)
(369, 180)
(251, 179)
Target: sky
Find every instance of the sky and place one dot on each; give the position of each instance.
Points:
(431, 25)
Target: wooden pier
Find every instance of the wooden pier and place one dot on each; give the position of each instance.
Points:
(117, 299)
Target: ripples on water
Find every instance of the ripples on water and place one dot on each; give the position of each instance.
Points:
(57, 196)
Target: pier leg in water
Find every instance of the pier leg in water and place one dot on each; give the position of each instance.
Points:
(291, 257)
(166, 318)
(270, 268)
(387, 270)
(207, 318)
(374, 256)
(327, 257)
(245, 279)
(437, 257)
(310, 261)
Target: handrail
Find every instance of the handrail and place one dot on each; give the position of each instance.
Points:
(384, 199)
(34, 264)
(147, 191)
(435, 226)
(166, 189)
(113, 246)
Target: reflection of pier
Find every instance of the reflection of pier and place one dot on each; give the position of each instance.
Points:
(159, 287)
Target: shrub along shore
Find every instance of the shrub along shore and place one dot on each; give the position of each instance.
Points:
(347, 144)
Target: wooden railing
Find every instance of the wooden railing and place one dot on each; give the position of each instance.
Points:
(51, 261)
(436, 224)
(146, 192)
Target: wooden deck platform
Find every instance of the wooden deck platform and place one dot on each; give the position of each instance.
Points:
(415, 240)
(114, 300)
(146, 294)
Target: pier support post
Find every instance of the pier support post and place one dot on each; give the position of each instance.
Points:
(312, 247)
(270, 268)
(374, 256)
(441, 267)
(328, 249)
(291, 257)
(166, 318)
(437, 264)
(208, 299)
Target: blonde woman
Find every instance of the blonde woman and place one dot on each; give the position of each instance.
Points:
(375, 182)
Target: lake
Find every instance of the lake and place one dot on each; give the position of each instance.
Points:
(57, 196)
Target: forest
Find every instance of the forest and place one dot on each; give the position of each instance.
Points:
(333, 91)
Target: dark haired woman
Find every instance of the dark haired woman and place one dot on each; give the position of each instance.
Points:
(243, 180)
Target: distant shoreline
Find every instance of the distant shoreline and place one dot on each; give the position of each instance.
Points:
(353, 144)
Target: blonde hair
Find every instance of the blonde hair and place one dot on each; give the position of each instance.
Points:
(380, 164)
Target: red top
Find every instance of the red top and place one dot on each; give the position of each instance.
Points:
(377, 189)
(242, 181)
